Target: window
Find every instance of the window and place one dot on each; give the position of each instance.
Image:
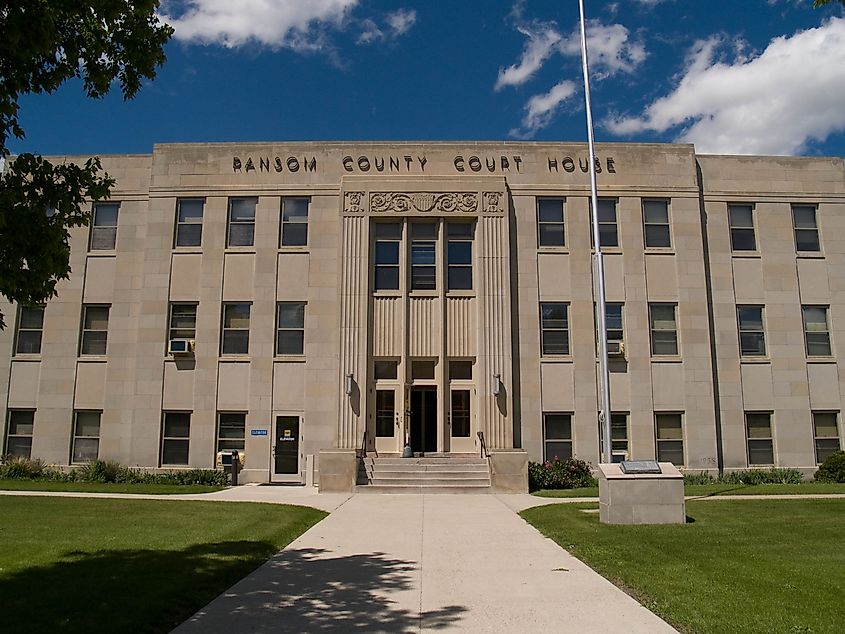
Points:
(30, 328)
(241, 222)
(459, 256)
(423, 250)
(826, 434)
(231, 431)
(554, 329)
(816, 331)
(656, 224)
(183, 321)
(294, 222)
(613, 317)
(664, 329)
(104, 227)
(759, 432)
(608, 231)
(95, 330)
(557, 436)
(86, 436)
(189, 222)
(460, 414)
(290, 328)
(385, 413)
(806, 228)
(387, 369)
(235, 335)
(460, 370)
(387, 238)
(550, 222)
(741, 220)
(423, 368)
(175, 438)
(670, 438)
(752, 337)
(618, 436)
(19, 438)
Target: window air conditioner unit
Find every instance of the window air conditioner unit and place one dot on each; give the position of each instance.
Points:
(616, 348)
(181, 346)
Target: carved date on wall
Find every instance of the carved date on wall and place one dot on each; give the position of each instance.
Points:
(423, 201)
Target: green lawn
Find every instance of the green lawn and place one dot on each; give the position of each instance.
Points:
(807, 488)
(95, 565)
(102, 487)
(740, 567)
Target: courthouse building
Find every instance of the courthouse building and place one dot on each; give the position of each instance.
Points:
(301, 301)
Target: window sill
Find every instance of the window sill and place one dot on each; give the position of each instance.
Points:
(387, 293)
(426, 293)
(250, 249)
(608, 250)
(295, 249)
(753, 255)
(102, 253)
(92, 358)
(822, 360)
(289, 358)
(460, 294)
(549, 249)
(234, 358)
(28, 357)
(659, 251)
(669, 358)
(809, 255)
(178, 249)
(560, 359)
(753, 360)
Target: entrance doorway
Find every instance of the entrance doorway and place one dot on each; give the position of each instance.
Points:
(286, 448)
(423, 419)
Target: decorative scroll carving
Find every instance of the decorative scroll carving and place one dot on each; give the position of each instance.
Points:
(466, 202)
(492, 202)
(353, 203)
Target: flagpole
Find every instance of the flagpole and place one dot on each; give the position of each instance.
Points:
(598, 263)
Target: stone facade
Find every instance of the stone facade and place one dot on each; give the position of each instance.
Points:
(472, 355)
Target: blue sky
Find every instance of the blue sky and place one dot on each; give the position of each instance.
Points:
(753, 77)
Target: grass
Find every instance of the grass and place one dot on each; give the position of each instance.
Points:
(90, 565)
(102, 487)
(755, 566)
(806, 488)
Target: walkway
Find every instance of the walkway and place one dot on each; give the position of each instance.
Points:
(412, 563)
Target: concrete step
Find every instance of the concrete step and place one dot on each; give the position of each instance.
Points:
(431, 482)
(417, 490)
(422, 469)
(428, 474)
(427, 461)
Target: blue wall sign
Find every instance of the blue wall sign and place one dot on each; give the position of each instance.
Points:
(258, 432)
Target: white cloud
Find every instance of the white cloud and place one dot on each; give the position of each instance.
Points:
(774, 103)
(542, 41)
(275, 23)
(397, 23)
(541, 109)
(401, 21)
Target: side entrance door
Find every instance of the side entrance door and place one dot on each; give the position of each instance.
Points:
(424, 419)
(285, 461)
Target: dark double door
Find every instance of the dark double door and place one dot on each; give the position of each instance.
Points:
(424, 419)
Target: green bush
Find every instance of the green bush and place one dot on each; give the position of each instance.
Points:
(699, 478)
(17, 468)
(208, 477)
(749, 477)
(560, 474)
(99, 471)
(832, 469)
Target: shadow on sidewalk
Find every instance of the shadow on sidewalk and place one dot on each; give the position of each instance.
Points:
(306, 590)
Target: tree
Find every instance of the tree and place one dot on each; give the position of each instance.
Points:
(44, 43)
(821, 3)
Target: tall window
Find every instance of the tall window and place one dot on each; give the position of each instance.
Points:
(30, 328)
(459, 256)
(175, 438)
(557, 436)
(550, 222)
(189, 222)
(670, 438)
(235, 332)
(86, 436)
(825, 434)
(423, 256)
(385, 413)
(806, 228)
(816, 331)
(460, 414)
(758, 427)
(608, 230)
(752, 336)
(294, 222)
(664, 329)
(554, 328)
(104, 227)
(241, 222)
(387, 239)
(19, 437)
(183, 321)
(741, 220)
(95, 330)
(615, 328)
(290, 328)
(231, 431)
(656, 224)
(618, 436)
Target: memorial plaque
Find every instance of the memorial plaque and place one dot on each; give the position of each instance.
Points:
(640, 466)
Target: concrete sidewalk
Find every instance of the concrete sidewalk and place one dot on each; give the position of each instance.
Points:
(409, 563)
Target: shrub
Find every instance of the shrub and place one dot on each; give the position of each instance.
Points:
(99, 471)
(571, 473)
(832, 469)
(749, 477)
(17, 468)
(208, 477)
(699, 478)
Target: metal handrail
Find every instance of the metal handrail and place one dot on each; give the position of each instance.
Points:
(364, 445)
(484, 452)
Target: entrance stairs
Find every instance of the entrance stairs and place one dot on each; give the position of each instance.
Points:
(453, 474)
